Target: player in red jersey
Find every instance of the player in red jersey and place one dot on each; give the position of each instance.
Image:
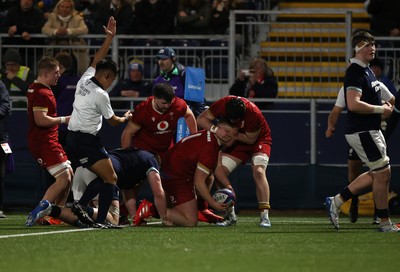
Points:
(185, 170)
(154, 121)
(43, 133)
(254, 141)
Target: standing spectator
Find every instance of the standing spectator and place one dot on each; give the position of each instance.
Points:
(64, 91)
(194, 17)
(64, 26)
(385, 19)
(254, 141)
(257, 82)
(4, 112)
(43, 136)
(365, 111)
(16, 76)
(173, 73)
(134, 86)
(119, 9)
(148, 14)
(377, 67)
(187, 167)
(91, 104)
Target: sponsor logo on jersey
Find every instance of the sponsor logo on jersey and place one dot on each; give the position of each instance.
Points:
(162, 126)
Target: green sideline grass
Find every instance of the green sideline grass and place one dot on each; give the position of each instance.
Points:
(294, 243)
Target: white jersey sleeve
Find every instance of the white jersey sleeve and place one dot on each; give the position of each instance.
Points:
(340, 101)
(385, 93)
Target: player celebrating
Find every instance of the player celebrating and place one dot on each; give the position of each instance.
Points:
(91, 104)
(43, 136)
(185, 170)
(154, 121)
(254, 141)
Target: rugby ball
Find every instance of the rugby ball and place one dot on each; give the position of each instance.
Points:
(224, 196)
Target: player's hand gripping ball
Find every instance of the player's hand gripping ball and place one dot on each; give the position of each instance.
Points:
(225, 196)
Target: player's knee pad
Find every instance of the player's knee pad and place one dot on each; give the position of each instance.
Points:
(379, 165)
(261, 160)
(59, 169)
(229, 163)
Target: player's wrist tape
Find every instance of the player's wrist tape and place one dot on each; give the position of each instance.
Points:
(63, 120)
(378, 109)
(213, 128)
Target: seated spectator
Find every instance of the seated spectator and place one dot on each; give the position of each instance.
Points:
(24, 19)
(194, 17)
(378, 68)
(64, 91)
(257, 82)
(134, 86)
(120, 10)
(148, 14)
(15, 76)
(64, 26)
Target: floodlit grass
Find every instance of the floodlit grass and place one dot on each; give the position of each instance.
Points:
(294, 243)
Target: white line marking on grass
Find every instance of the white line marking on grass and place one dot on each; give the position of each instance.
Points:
(43, 233)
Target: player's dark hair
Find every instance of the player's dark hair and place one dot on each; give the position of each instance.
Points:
(362, 36)
(235, 108)
(46, 64)
(106, 65)
(164, 91)
(65, 59)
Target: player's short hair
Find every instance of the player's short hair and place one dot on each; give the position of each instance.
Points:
(106, 65)
(362, 36)
(164, 91)
(46, 64)
(234, 108)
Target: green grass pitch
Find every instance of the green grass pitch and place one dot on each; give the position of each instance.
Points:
(299, 242)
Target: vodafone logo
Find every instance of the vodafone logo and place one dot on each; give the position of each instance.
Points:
(162, 126)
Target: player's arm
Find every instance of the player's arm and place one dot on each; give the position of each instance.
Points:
(200, 177)
(355, 104)
(248, 137)
(130, 130)
(158, 193)
(116, 120)
(205, 121)
(190, 121)
(332, 120)
(43, 120)
(110, 30)
(130, 201)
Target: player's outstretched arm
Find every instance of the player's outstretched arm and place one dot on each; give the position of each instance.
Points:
(110, 31)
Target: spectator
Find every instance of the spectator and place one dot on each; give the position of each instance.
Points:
(64, 25)
(257, 82)
(148, 14)
(385, 19)
(64, 91)
(24, 19)
(220, 14)
(173, 72)
(194, 17)
(119, 9)
(377, 67)
(134, 86)
(4, 111)
(16, 76)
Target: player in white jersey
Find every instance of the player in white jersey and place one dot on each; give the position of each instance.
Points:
(91, 104)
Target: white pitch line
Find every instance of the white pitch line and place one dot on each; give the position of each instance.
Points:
(43, 233)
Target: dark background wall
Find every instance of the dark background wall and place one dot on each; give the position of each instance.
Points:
(294, 182)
